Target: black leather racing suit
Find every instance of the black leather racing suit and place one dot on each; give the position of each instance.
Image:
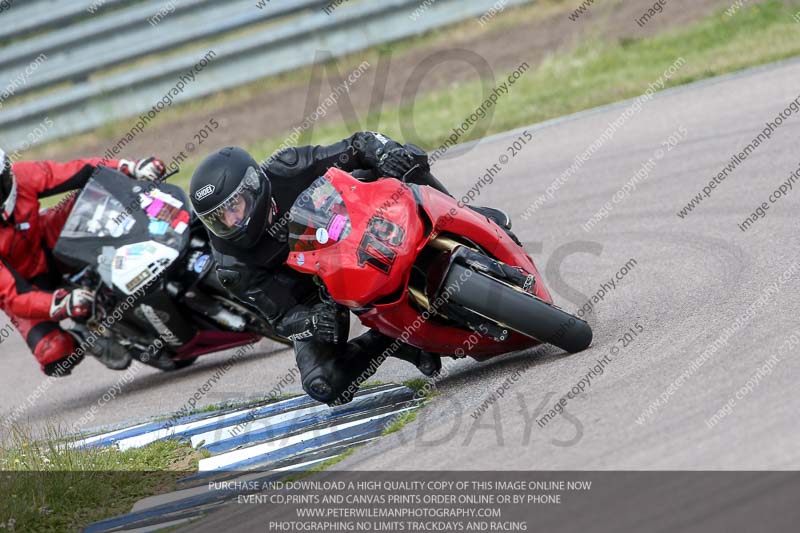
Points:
(259, 277)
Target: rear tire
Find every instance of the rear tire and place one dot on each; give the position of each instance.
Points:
(518, 310)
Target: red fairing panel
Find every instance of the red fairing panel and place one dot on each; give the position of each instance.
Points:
(401, 320)
(448, 217)
(372, 258)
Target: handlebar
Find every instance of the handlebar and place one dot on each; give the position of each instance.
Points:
(170, 174)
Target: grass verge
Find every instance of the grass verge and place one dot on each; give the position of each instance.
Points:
(49, 487)
(423, 389)
(53, 487)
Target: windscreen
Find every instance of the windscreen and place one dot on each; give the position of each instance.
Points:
(318, 219)
(97, 214)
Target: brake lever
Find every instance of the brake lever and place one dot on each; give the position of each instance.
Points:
(169, 175)
(408, 174)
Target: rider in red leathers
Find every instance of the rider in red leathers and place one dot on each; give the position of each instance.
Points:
(29, 279)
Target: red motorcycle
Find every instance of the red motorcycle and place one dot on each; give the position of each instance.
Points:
(412, 264)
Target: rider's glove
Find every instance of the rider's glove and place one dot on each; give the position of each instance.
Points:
(151, 168)
(75, 304)
(324, 322)
(396, 162)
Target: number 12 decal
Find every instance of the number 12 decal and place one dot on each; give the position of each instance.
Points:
(376, 247)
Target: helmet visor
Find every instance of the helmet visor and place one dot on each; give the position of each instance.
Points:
(235, 212)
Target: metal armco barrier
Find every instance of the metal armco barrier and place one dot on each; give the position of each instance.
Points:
(294, 39)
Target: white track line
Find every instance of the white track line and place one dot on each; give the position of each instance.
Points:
(144, 439)
(257, 424)
(235, 456)
(97, 438)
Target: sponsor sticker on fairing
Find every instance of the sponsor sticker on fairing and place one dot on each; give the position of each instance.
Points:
(136, 264)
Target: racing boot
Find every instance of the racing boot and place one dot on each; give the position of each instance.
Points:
(424, 177)
(428, 363)
(61, 368)
(331, 374)
(495, 215)
(105, 350)
(499, 218)
(378, 343)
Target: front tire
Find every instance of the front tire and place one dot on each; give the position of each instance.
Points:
(518, 310)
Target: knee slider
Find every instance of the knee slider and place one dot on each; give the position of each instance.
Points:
(56, 354)
(55, 346)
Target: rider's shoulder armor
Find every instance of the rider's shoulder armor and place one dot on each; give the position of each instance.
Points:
(285, 163)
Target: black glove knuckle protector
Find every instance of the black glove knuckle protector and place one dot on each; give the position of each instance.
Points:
(324, 322)
(396, 162)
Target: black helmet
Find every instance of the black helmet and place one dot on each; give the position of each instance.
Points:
(8, 188)
(232, 196)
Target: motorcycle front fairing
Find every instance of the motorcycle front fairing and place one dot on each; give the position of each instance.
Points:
(129, 231)
(362, 240)
(361, 253)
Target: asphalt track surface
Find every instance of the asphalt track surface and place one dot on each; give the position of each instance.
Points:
(692, 279)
